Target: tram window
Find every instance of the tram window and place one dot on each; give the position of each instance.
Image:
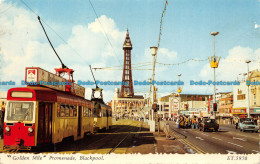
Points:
(58, 110)
(85, 112)
(62, 110)
(75, 111)
(71, 111)
(99, 113)
(67, 111)
(89, 112)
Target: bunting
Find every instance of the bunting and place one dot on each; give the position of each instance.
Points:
(161, 23)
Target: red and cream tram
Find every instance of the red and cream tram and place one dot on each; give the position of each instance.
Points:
(39, 115)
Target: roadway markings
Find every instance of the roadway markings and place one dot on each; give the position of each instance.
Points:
(235, 144)
(199, 138)
(248, 136)
(204, 134)
(241, 139)
(217, 138)
(231, 152)
(256, 151)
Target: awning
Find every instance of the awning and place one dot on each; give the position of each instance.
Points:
(242, 116)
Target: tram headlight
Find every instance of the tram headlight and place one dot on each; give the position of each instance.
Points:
(8, 129)
(30, 130)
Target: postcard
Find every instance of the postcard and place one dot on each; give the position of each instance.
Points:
(110, 81)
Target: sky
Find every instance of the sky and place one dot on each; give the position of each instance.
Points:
(83, 36)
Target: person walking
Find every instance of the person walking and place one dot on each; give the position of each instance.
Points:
(2, 115)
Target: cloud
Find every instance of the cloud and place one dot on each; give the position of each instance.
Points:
(23, 44)
(231, 66)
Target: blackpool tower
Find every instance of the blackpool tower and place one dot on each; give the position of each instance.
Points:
(127, 89)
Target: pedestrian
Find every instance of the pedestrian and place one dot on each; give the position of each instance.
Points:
(178, 122)
(2, 115)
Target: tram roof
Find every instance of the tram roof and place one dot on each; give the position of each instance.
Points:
(43, 94)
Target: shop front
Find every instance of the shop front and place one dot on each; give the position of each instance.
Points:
(255, 113)
(224, 115)
(238, 113)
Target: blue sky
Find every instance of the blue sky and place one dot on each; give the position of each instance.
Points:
(185, 35)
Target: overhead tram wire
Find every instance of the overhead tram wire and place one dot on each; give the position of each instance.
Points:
(104, 32)
(54, 31)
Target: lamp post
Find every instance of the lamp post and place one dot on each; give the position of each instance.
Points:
(154, 52)
(248, 99)
(214, 65)
(179, 92)
(149, 100)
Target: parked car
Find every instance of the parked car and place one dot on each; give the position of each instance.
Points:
(248, 126)
(209, 124)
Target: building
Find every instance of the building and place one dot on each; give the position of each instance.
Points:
(240, 100)
(224, 109)
(3, 96)
(188, 104)
(163, 110)
(124, 107)
(255, 94)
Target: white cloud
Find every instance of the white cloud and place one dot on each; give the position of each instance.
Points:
(231, 66)
(23, 44)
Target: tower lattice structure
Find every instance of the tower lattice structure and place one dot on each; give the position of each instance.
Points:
(127, 89)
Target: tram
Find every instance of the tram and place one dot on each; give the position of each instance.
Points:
(37, 115)
(102, 113)
(102, 117)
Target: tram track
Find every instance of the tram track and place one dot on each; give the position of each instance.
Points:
(112, 150)
(94, 147)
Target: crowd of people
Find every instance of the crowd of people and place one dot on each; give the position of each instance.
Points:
(188, 122)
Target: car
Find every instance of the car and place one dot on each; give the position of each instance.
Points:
(241, 120)
(248, 126)
(209, 124)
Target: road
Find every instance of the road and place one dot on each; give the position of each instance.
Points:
(226, 140)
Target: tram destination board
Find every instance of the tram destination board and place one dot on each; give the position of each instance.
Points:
(45, 78)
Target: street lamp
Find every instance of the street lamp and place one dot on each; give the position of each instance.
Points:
(214, 64)
(154, 52)
(179, 92)
(149, 100)
(248, 99)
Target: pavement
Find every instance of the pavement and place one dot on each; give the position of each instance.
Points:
(226, 140)
(155, 143)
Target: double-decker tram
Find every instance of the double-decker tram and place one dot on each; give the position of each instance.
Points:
(37, 115)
